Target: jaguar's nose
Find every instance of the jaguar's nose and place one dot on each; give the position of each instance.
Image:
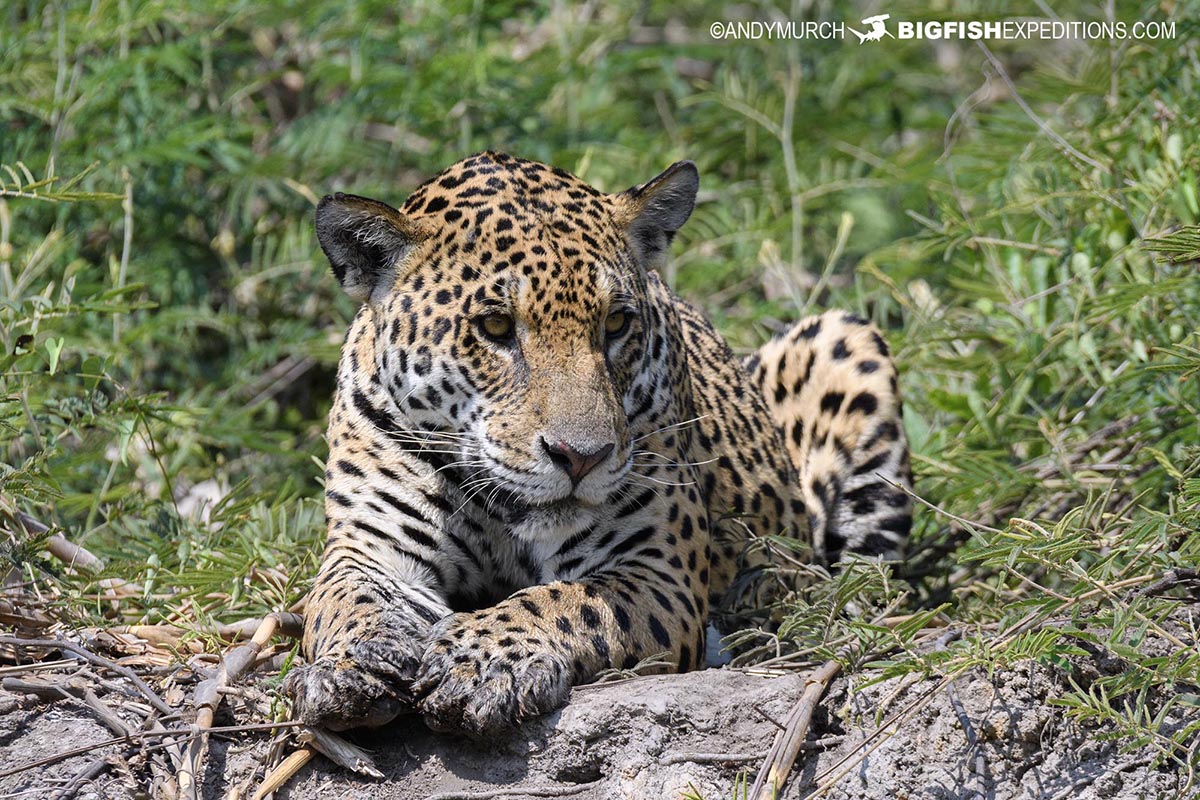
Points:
(573, 462)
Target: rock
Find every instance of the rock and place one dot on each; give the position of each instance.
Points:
(675, 736)
(630, 739)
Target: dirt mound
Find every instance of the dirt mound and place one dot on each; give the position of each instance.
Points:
(668, 736)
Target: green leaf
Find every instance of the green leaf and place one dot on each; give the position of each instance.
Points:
(54, 349)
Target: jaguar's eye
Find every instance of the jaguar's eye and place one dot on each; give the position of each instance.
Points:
(498, 327)
(616, 323)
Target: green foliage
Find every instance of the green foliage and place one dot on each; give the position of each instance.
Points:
(1181, 245)
(169, 331)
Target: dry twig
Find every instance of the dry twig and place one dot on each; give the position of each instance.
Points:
(340, 752)
(738, 758)
(100, 661)
(75, 688)
(74, 555)
(313, 741)
(519, 791)
(790, 741)
(174, 636)
(284, 772)
(207, 697)
(1179, 576)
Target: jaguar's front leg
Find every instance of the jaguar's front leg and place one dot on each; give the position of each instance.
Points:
(363, 641)
(379, 591)
(488, 670)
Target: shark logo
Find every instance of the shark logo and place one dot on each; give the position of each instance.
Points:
(877, 30)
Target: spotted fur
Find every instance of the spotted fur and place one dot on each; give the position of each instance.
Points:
(543, 464)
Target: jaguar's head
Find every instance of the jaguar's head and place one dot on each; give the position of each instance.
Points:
(509, 304)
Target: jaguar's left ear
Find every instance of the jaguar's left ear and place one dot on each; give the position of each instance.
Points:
(654, 211)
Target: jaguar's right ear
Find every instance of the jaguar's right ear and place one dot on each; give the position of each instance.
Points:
(654, 211)
(365, 241)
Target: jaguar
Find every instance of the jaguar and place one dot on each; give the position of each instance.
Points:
(544, 464)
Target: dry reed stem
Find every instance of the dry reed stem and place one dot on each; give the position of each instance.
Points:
(207, 697)
(788, 742)
(284, 772)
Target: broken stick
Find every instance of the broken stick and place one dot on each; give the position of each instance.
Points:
(788, 742)
(208, 696)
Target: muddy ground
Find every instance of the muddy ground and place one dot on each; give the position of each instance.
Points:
(663, 737)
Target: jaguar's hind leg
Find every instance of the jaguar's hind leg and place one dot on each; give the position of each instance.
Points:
(830, 385)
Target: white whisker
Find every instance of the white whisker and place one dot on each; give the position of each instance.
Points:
(672, 425)
(662, 482)
(482, 485)
(669, 463)
(456, 464)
